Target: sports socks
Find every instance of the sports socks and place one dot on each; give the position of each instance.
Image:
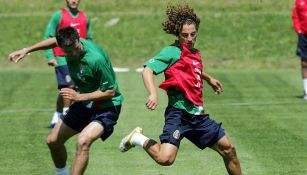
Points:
(61, 171)
(305, 85)
(55, 117)
(65, 109)
(138, 139)
(150, 143)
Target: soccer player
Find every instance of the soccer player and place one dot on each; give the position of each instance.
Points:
(73, 17)
(299, 18)
(184, 116)
(97, 104)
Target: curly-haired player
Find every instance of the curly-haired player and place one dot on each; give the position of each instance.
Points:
(184, 116)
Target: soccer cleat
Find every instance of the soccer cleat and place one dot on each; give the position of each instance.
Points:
(305, 97)
(125, 143)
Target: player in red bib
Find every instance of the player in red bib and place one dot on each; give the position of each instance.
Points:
(299, 18)
(184, 116)
(66, 17)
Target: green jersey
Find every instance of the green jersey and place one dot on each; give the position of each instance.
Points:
(94, 72)
(161, 62)
(52, 29)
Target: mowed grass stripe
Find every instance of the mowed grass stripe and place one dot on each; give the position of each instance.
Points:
(262, 133)
(268, 104)
(268, 136)
(147, 13)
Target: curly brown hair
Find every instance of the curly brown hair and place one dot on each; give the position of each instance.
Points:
(177, 17)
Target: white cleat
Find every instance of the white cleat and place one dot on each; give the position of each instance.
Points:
(305, 97)
(126, 144)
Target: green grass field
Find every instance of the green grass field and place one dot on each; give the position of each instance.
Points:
(248, 45)
(233, 34)
(260, 111)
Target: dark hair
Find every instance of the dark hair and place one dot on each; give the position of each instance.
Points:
(67, 36)
(177, 17)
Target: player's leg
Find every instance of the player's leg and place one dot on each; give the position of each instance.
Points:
(70, 84)
(304, 76)
(88, 135)
(55, 141)
(227, 150)
(164, 153)
(209, 133)
(64, 81)
(59, 103)
(72, 123)
(58, 112)
(302, 53)
(101, 126)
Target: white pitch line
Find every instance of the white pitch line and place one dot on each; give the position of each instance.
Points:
(121, 69)
(111, 22)
(139, 69)
(125, 69)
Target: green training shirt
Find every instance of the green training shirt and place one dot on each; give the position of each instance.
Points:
(94, 72)
(161, 62)
(52, 29)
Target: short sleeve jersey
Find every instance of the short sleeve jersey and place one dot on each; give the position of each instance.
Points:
(94, 72)
(161, 62)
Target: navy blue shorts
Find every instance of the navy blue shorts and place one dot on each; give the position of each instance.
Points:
(63, 78)
(79, 116)
(302, 46)
(199, 129)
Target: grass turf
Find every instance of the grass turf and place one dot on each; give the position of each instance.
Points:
(260, 109)
(261, 112)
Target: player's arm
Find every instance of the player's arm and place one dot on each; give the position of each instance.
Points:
(50, 33)
(214, 83)
(89, 34)
(148, 79)
(98, 95)
(16, 56)
(106, 90)
(158, 64)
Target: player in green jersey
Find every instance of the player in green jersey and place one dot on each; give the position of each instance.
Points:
(184, 116)
(69, 16)
(97, 103)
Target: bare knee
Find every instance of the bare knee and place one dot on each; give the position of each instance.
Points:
(165, 160)
(229, 152)
(52, 141)
(304, 64)
(83, 143)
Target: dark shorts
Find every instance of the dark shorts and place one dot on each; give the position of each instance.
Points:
(78, 117)
(302, 46)
(63, 77)
(199, 129)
